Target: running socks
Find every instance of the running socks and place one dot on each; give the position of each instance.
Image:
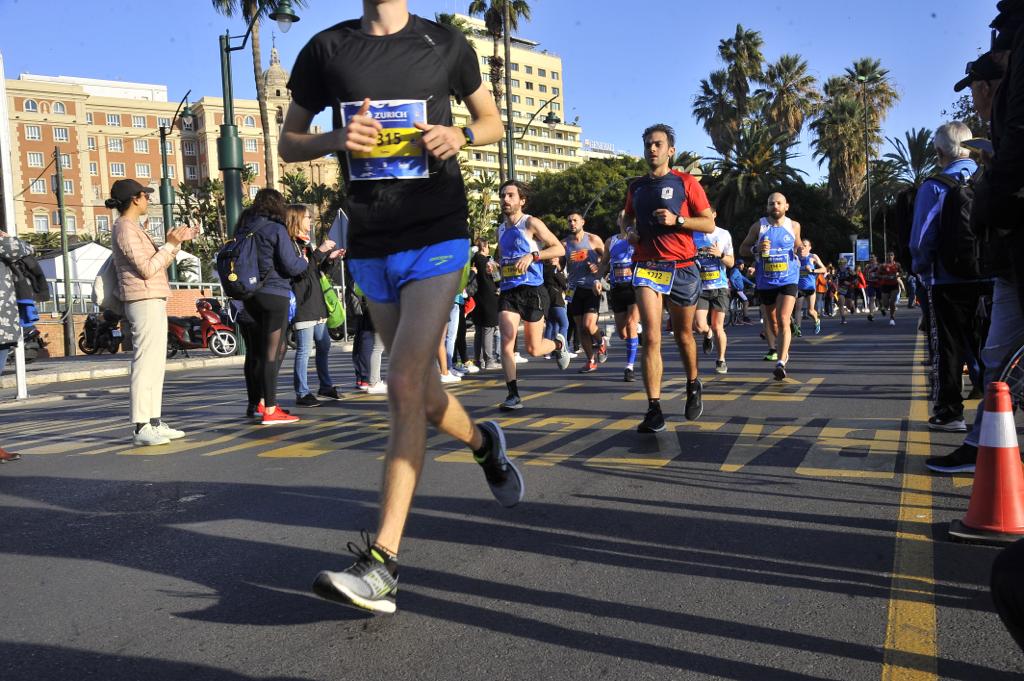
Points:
(481, 454)
(654, 403)
(631, 347)
(382, 555)
(513, 388)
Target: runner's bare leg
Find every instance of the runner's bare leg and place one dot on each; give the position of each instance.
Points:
(648, 301)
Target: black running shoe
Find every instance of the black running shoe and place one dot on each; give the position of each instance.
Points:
(960, 460)
(307, 400)
(654, 421)
(366, 584)
(511, 403)
(780, 372)
(947, 423)
(331, 392)
(628, 376)
(504, 479)
(709, 344)
(694, 401)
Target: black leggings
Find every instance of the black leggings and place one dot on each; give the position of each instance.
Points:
(267, 346)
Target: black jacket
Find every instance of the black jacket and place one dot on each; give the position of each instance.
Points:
(29, 280)
(309, 295)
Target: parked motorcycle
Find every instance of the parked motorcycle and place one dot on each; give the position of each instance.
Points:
(207, 330)
(101, 332)
(34, 344)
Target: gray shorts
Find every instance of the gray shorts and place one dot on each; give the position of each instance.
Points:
(714, 299)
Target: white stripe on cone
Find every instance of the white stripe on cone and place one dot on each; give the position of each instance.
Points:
(998, 430)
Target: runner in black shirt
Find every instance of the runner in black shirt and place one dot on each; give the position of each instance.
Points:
(408, 242)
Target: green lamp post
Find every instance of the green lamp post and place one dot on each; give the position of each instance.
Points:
(166, 190)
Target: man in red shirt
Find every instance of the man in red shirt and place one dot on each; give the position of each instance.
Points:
(663, 209)
(889, 285)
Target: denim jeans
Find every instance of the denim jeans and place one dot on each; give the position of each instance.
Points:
(3, 358)
(451, 333)
(557, 322)
(304, 340)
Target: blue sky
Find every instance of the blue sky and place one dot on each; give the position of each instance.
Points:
(626, 64)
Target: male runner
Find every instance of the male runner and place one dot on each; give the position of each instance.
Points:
(846, 283)
(617, 263)
(408, 245)
(811, 267)
(714, 258)
(871, 292)
(776, 238)
(889, 274)
(583, 253)
(523, 294)
(663, 210)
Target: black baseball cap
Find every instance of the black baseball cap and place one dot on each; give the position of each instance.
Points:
(982, 68)
(123, 190)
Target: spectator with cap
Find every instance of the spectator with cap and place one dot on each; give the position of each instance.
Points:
(141, 268)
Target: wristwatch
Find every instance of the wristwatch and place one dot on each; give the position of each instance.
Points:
(468, 134)
(536, 256)
(680, 220)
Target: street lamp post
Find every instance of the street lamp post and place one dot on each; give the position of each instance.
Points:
(551, 120)
(229, 146)
(166, 190)
(863, 80)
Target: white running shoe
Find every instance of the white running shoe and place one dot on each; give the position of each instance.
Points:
(470, 368)
(148, 436)
(378, 388)
(520, 359)
(892, 322)
(450, 378)
(170, 433)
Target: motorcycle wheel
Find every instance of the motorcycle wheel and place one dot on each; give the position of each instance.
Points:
(223, 343)
(113, 344)
(172, 346)
(85, 347)
(337, 333)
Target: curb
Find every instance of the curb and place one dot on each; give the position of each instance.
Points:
(43, 378)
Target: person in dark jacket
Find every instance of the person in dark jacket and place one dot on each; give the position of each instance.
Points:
(310, 321)
(279, 261)
(485, 314)
(557, 285)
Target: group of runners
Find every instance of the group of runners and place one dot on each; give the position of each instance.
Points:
(408, 250)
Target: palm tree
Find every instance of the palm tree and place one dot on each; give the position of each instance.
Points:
(715, 108)
(757, 166)
(838, 131)
(790, 94)
(248, 9)
(914, 158)
(744, 62)
(295, 186)
(455, 21)
(493, 13)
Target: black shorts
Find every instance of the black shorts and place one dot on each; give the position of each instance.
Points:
(529, 302)
(767, 296)
(806, 292)
(714, 299)
(621, 297)
(889, 290)
(584, 301)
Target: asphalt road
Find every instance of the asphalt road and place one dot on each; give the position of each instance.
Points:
(791, 533)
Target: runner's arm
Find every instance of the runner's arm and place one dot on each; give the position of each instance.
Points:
(444, 141)
(553, 248)
(796, 237)
(820, 269)
(702, 222)
(298, 144)
(747, 247)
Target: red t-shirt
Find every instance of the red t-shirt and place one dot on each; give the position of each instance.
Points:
(678, 192)
(888, 275)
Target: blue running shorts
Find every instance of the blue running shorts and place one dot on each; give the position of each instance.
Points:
(381, 279)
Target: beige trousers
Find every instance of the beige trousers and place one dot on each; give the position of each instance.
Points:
(149, 336)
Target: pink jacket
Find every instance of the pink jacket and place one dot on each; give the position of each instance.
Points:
(141, 265)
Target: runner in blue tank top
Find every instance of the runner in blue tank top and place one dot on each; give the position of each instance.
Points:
(714, 258)
(583, 254)
(810, 267)
(773, 241)
(523, 295)
(618, 265)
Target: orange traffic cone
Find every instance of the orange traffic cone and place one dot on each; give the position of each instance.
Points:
(996, 512)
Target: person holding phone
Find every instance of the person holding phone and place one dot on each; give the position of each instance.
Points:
(141, 268)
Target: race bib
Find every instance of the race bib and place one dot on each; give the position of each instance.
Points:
(713, 275)
(569, 294)
(396, 154)
(776, 263)
(508, 269)
(655, 275)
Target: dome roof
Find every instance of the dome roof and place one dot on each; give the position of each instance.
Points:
(275, 78)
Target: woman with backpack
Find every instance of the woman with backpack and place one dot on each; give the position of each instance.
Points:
(310, 321)
(278, 261)
(141, 268)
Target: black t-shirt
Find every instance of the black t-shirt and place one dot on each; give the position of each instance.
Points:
(424, 60)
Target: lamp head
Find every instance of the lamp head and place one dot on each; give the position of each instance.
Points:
(551, 120)
(284, 15)
(187, 116)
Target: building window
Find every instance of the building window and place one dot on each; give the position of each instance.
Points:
(187, 124)
(515, 82)
(31, 106)
(71, 222)
(168, 148)
(41, 223)
(114, 120)
(69, 186)
(477, 156)
(94, 168)
(529, 85)
(35, 159)
(91, 143)
(542, 73)
(141, 146)
(254, 167)
(529, 70)
(530, 101)
(533, 147)
(141, 170)
(163, 122)
(38, 187)
(250, 144)
(253, 191)
(170, 172)
(115, 144)
(190, 173)
(102, 223)
(554, 75)
(33, 132)
(59, 108)
(486, 77)
(189, 147)
(543, 88)
(485, 60)
(88, 118)
(515, 99)
(555, 91)
(556, 106)
(560, 151)
(547, 149)
(60, 135)
(249, 122)
(515, 66)
(138, 121)
(117, 170)
(155, 226)
(534, 162)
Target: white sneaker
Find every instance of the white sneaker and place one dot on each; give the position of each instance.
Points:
(450, 378)
(470, 368)
(149, 436)
(170, 433)
(378, 388)
(457, 372)
(892, 322)
(520, 359)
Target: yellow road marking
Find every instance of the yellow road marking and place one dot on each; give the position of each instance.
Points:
(774, 391)
(882, 445)
(751, 444)
(815, 340)
(618, 461)
(910, 637)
